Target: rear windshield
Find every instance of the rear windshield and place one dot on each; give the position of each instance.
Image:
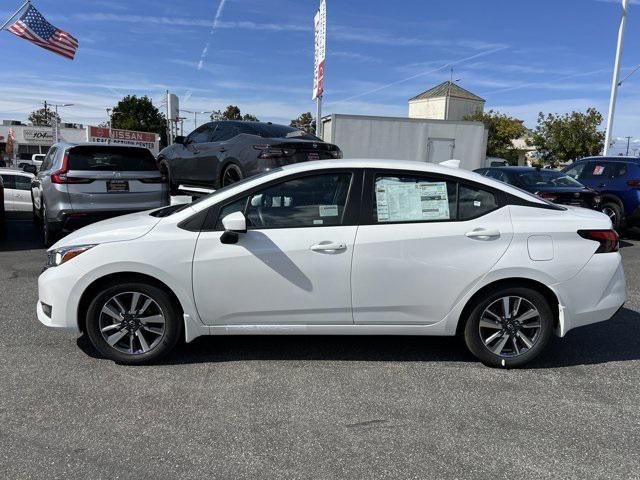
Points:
(274, 131)
(548, 178)
(106, 158)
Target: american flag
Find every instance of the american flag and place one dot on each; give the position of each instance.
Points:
(32, 26)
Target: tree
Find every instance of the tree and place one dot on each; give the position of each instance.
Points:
(305, 122)
(43, 118)
(502, 131)
(232, 112)
(569, 137)
(139, 113)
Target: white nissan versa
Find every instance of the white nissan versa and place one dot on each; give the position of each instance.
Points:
(344, 247)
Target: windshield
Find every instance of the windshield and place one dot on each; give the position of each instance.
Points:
(547, 178)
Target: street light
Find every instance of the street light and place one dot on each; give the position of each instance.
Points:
(195, 117)
(56, 106)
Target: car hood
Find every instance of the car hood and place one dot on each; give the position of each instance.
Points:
(118, 229)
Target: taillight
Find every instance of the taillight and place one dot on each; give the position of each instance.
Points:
(547, 196)
(162, 179)
(608, 239)
(274, 152)
(60, 176)
(336, 153)
(633, 183)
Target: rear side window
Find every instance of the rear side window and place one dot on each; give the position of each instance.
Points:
(23, 183)
(8, 181)
(413, 199)
(475, 202)
(105, 158)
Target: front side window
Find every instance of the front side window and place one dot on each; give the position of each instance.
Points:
(202, 134)
(413, 199)
(23, 183)
(312, 201)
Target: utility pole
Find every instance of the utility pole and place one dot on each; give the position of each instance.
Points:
(628, 142)
(615, 83)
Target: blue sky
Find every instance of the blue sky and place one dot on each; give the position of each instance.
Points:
(522, 56)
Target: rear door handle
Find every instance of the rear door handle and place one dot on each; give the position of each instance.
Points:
(328, 247)
(483, 233)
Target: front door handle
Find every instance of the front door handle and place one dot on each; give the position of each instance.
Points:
(328, 247)
(483, 234)
(602, 185)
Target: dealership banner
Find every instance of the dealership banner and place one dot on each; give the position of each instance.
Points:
(124, 137)
(320, 30)
(36, 136)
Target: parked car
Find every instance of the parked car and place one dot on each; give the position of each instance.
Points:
(351, 247)
(17, 192)
(551, 185)
(81, 183)
(220, 153)
(35, 160)
(3, 225)
(617, 179)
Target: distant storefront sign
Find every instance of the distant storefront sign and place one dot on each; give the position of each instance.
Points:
(37, 136)
(123, 137)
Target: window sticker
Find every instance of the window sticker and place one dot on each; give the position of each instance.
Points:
(276, 202)
(477, 203)
(598, 170)
(328, 210)
(318, 222)
(405, 202)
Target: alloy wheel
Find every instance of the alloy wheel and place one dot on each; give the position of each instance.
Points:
(232, 174)
(610, 212)
(132, 323)
(510, 326)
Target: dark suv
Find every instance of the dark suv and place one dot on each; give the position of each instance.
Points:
(220, 153)
(617, 179)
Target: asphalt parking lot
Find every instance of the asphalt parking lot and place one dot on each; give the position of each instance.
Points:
(312, 407)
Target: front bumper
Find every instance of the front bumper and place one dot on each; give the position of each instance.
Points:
(594, 295)
(55, 289)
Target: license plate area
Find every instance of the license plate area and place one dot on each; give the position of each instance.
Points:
(313, 156)
(117, 186)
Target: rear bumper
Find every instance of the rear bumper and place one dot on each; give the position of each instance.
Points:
(594, 295)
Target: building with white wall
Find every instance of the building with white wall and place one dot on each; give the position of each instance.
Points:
(447, 101)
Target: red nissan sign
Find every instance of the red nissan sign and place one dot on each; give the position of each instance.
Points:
(117, 134)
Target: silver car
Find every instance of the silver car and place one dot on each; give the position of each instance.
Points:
(84, 182)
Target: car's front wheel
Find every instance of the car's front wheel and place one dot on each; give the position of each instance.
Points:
(509, 327)
(133, 323)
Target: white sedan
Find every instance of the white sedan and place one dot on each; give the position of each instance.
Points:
(345, 247)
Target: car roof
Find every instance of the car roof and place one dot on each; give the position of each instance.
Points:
(95, 144)
(398, 165)
(610, 159)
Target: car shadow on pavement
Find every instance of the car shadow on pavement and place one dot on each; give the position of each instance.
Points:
(612, 341)
(20, 235)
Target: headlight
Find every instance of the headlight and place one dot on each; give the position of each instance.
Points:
(61, 255)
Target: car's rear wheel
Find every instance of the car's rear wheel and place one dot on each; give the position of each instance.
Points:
(231, 174)
(133, 323)
(164, 170)
(509, 327)
(49, 234)
(614, 212)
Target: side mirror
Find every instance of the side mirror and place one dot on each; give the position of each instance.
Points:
(234, 224)
(181, 140)
(30, 169)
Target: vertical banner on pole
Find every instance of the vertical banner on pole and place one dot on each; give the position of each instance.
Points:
(320, 46)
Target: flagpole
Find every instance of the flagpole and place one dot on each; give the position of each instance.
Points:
(14, 15)
(616, 78)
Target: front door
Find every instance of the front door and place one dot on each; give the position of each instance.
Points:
(429, 241)
(293, 265)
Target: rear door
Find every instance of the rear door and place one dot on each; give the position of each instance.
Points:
(8, 180)
(427, 241)
(113, 178)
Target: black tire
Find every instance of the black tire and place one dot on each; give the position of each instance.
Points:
(231, 174)
(614, 212)
(509, 359)
(172, 327)
(49, 234)
(164, 170)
